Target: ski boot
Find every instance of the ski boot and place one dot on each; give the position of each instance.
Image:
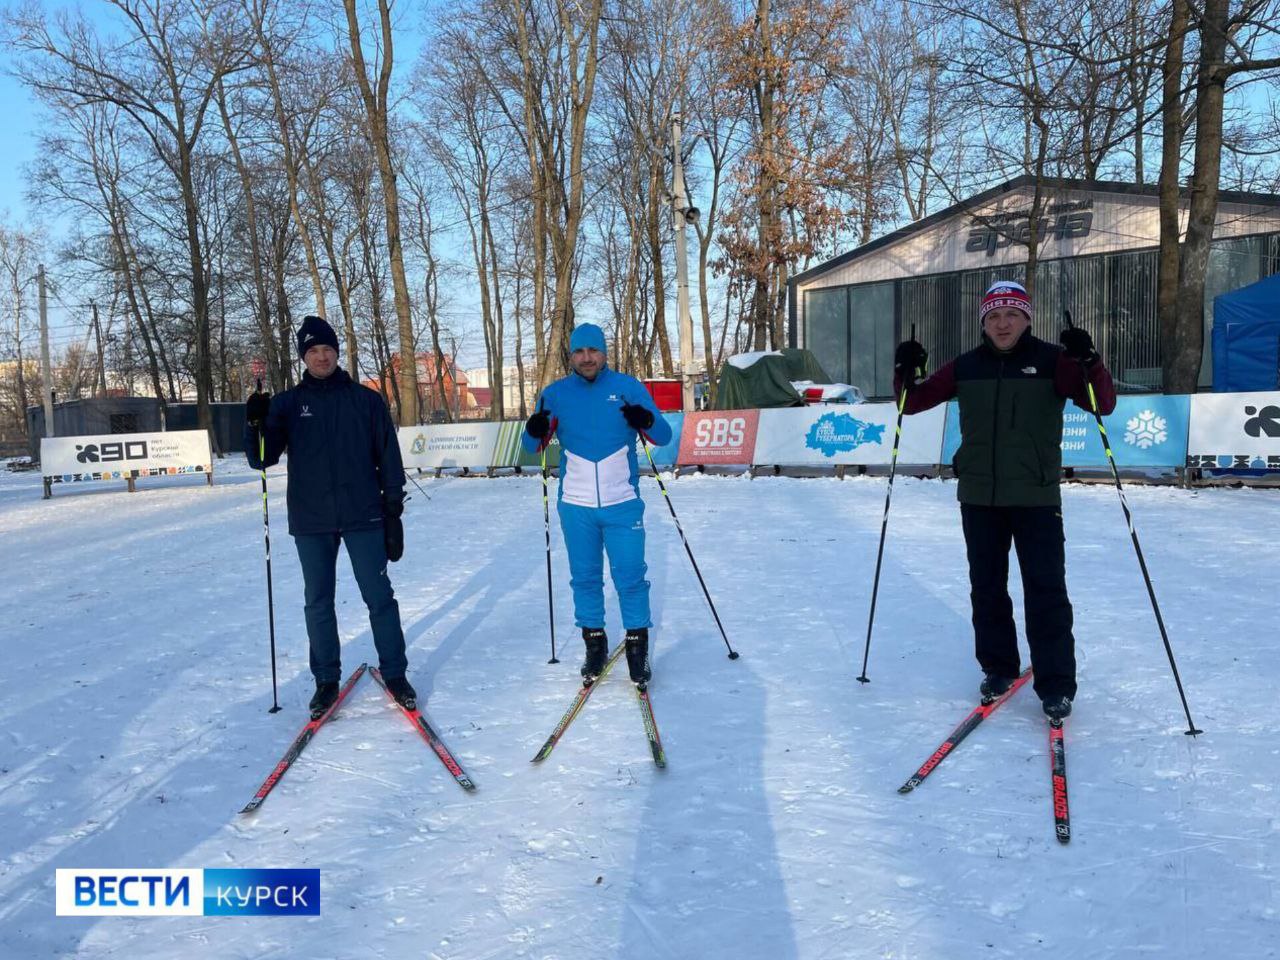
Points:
(1057, 708)
(325, 696)
(402, 690)
(638, 656)
(597, 653)
(995, 685)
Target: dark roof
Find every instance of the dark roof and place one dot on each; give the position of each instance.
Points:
(1052, 183)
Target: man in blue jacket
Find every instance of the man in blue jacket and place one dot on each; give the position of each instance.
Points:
(346, 485)
(597, 413)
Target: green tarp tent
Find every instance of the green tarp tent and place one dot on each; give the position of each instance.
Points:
(767, 382)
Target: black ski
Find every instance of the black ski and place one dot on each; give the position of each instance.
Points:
(1058, 765)
(300, 742)
(966, 727)
(576, 707)
(650, 726)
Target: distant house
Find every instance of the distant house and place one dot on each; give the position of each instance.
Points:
(443, 391)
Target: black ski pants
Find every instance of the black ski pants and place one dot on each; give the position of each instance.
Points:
(1036, 533)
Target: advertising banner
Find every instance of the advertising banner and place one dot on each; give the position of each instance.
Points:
(448, 445)
(718, 437)
(510, 452)
(849, 434)
(123, 456)
(664, 456)
(1146, 430)
(1239, 431)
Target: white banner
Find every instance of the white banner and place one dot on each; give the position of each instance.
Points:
(448, 445)
(121, 456)
(1235, 430)
(859, 433)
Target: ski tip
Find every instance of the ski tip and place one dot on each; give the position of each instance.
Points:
(906, 788)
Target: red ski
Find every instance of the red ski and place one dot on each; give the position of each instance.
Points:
(966, 727)
(428, 734)
(300, 743)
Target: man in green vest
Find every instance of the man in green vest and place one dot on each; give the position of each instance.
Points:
(1011, 390)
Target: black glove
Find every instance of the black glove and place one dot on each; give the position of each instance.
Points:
(1078, 345)
(910, 360)
(539, 425)
(393, 536)
(256, 407)
(637, 417)
(393, 506)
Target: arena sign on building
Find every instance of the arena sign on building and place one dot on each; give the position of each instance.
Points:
(1098, 244)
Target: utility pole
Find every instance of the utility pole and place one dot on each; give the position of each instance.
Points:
(102, 363)
(46, 372)
(682, 215)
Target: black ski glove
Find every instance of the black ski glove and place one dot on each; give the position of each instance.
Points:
(539, 425)
(393, 536)
(393, 505)
(1078, 345)
(910, 360)
(637, 417)
(257, 407)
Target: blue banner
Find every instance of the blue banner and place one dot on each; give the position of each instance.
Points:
(1146, 430)
(261, 893)
(665, 456)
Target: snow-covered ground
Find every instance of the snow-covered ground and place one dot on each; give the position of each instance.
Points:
(136, 681)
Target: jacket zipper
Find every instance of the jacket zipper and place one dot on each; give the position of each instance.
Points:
(995, 429)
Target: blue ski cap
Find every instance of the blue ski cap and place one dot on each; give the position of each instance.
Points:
(587, 335)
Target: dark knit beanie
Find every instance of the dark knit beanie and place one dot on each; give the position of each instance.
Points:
(315, 332)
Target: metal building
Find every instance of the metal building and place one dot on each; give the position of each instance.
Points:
(1100, 243)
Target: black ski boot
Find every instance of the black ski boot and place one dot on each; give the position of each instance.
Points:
(995, 685)
(325, 696)
(402, 690)
(597, 653)
(638, 655)
(1057, 708)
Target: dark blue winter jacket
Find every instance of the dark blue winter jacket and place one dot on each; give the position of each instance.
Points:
(344, 459)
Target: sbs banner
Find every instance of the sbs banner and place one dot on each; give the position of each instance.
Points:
(1238, 431)
(847, 434)
(448, 445)
(718, 437)
(124, 456)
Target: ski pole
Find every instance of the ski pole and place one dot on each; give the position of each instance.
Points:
(733, 654)
(546, 528)
(266, 535)
(1192, 730)
(418, 485)
(884, 525)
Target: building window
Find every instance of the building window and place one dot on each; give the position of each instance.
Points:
(826, 333)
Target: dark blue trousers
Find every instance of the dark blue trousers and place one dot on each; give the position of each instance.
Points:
(318, 554)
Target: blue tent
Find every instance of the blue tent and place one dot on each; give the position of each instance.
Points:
(1246, 338)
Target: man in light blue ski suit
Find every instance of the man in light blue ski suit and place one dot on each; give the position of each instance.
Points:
(597, 413)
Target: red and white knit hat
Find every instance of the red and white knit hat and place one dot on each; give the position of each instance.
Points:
(1005, 293)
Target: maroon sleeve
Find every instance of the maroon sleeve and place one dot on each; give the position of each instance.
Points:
(1069, 380)
(929, 392)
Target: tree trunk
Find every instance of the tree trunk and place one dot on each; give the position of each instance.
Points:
(1168, 270)
(376, 113)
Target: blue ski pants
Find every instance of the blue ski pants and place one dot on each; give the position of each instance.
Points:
(589, 532)
(367, 549)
